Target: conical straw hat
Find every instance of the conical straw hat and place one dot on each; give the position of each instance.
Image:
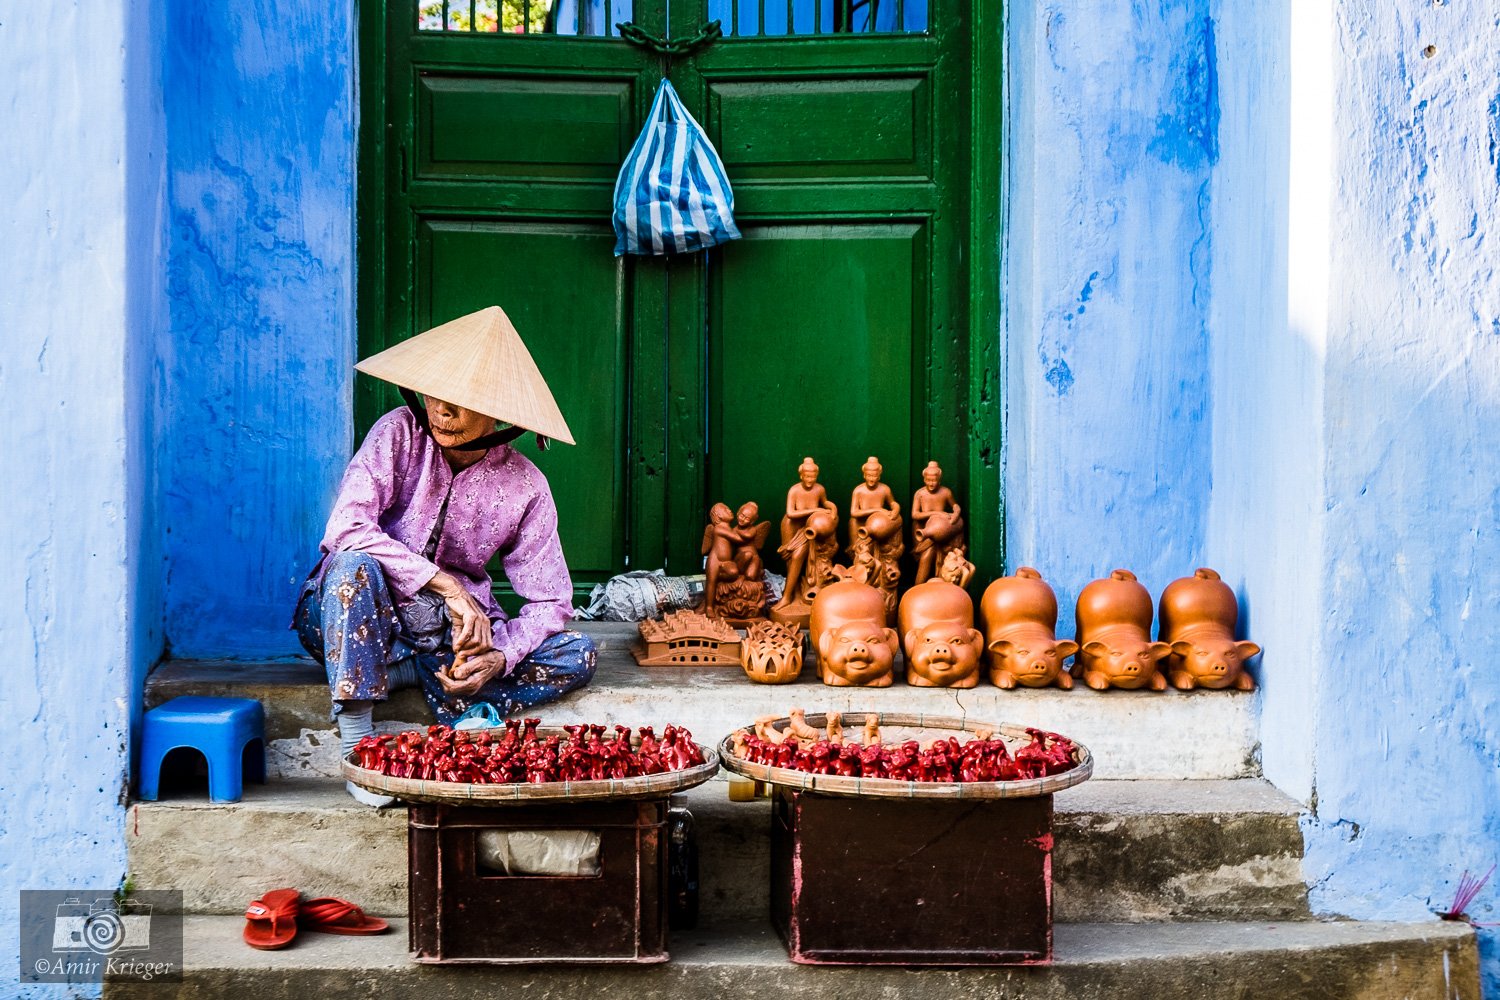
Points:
(478, 362)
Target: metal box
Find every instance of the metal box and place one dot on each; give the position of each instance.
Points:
(866, 881)
(462, 913)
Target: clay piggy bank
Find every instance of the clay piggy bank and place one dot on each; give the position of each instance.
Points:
(860, 653)
(842, 603)
(1114, 635)
(1198, 618)
(934, 601)
(1020, 630)
(943, 654)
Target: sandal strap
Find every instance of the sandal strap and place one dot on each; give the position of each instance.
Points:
(332, 910)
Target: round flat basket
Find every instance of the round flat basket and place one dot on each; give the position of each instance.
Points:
(647, 786)
(896, 728)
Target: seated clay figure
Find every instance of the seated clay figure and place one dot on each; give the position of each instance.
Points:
(869, 497)
(937, 522)
(808, 542)
(1198, 618)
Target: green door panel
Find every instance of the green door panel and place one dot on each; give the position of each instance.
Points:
(559, 281)
(812, 352)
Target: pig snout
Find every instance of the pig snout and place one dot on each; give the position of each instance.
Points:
(858, 651)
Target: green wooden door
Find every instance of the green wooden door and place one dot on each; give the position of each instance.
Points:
(856, 317)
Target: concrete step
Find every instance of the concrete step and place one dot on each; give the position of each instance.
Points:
(1132, 734)
(1200, 961)
(1125, 850)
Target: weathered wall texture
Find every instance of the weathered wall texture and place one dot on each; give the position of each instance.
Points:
(1408, 755)
(77, 532)
(258, 421)
(1113, 125)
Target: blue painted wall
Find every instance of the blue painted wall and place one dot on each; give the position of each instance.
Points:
(257, 421)
(80, 596)
(1113, 121)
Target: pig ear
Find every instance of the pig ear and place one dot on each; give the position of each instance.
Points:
(1159, 650)
(825, 643)
(892, 639)
(976, 637)
(1182, 647)
(911, 638)
(1001, 646)
(1095, 648)
(1247, 649)
(1066, 648)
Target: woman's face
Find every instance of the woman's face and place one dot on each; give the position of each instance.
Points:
(453, 425)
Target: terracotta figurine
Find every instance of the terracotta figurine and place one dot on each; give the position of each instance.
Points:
(809, 539)
(1114, 635)
(877, 553)
(1198, 619)
(736, 584)
(1020, 628)
(937, 523)
(869, 497)
(854, 646)
(771, 652)
(942, 646)
(956, 568)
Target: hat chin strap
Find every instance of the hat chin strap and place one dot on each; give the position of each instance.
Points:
(481, 443)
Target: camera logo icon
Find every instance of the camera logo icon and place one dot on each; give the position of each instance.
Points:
(103, 927)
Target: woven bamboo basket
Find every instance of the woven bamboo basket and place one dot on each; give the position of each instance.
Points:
(897, 727)
(456, 793)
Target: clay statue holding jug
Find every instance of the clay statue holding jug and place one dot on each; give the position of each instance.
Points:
(937, 523)
(854, 645)
(869, 497)
(1114, 635)
(1198, 619)
(735, 588)
(809, 539)
(1020, 631)
(943, 648)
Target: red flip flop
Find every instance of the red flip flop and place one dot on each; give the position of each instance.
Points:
(271, 920)
(332, 915)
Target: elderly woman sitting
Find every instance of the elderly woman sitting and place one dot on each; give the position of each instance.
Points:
(401, 597)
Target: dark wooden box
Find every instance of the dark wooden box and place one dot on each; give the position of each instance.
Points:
(865, 881)
(461, 913)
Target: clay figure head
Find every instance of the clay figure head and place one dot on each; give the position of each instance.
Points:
(858, 651)
(932, 476)
(747, 514)
(720, 513)
(1034, 663)
(808, 471)
(1214, 663)
(943, 652)
(1127, 664)
(454, 425)
(872, 470)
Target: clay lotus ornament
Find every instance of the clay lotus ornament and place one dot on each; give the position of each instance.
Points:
(1198, 618)
(771, 653)
(943, 649)
(848, 631)
(1114, 635)
(1020, 629)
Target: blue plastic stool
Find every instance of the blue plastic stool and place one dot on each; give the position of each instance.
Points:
(220, 728)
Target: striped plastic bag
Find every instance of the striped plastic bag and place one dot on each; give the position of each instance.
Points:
(672, 195)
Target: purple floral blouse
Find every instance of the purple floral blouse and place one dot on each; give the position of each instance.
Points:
(388, 505)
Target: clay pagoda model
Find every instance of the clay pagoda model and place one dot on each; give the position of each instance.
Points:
(688, 638)
(736, 584)
(808, 542)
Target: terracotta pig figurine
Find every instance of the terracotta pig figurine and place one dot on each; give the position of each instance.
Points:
(1198, 619)
(942, 646)
(1020, 629)
(848, 630)
(1114, 635)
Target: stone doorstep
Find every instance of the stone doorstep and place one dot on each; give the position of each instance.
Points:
(1132, 734)
(1126, 850)
(1306, 960)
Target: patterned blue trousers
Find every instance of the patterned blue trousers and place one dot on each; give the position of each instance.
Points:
(347, 620)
